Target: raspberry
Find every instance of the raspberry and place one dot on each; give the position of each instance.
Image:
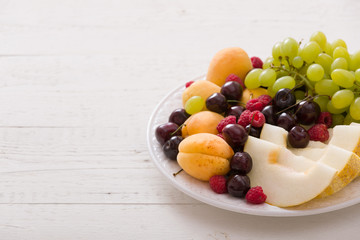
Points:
(235, 78)
(225, 121)
(218, 184)
(265, 99)
(254, 104)
(244, 118)
(257, 119)
(255, 195)
(256, 62)
(319, 132)
(325, 118)
(220, 135)
(188, 84)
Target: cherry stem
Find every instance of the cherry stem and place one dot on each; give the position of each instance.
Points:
(171, 134)
(236, 101)
(285, 109)
(292, 90)
(307, 99)
(175, 174)
(252, 119)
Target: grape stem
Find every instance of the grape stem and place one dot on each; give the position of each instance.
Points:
(291, 72)
(304, 80)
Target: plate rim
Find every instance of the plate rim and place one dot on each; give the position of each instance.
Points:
(257, 212)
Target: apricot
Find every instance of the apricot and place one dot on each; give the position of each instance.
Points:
(229, 60)
(204, 155)
(200, 88)
(252, 93)
(201, 122)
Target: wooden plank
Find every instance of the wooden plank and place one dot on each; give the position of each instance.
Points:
(133, 222)
(79, 165)
(34, 148)
(126, 72)
(88, 184)
(72, 27)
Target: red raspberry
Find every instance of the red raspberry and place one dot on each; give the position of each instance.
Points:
(257, 119)
(325, 118)
(220, 135)
(255, 195)
(265, 99)
(234, 77)
(188, 84)
(218, 184)
(319, 132)
(225, 121)
(254, 104)
(244, 118)
(256, 62)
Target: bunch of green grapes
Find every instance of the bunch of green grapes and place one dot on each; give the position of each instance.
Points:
(317, 68)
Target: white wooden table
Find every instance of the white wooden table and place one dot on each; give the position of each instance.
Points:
(78, 82)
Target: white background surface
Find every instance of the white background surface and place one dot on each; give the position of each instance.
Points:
(78, 82)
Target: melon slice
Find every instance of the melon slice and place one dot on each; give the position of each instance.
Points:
(347, 163)
(274, 134)
(346, 137)
(284, 186)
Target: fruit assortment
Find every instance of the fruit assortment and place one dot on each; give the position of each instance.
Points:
(283, 131)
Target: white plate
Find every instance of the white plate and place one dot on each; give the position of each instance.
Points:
(202, 192)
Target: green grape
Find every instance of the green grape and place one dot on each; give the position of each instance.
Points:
(331, 109)
(357, 75)
(267, 63)
(339, 63)
(320, 38)
(271, 92)
(289, 48)
(276, 53)
(337, 119)
(194, 104)
(252, 78)
(338, 43)
(303, 70)
(297, 62)
(281, 73)
(283, 63)
(343, 78)
(355, 109)
(310, 51)
(322, 101)
(326, 87)
(342, 98)
(300, 95)
(315, 72)
(328, 49)
(283, 82)
(325, 61)
(267, 77)
(341, 52)
(348, 119)
(354, 61)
